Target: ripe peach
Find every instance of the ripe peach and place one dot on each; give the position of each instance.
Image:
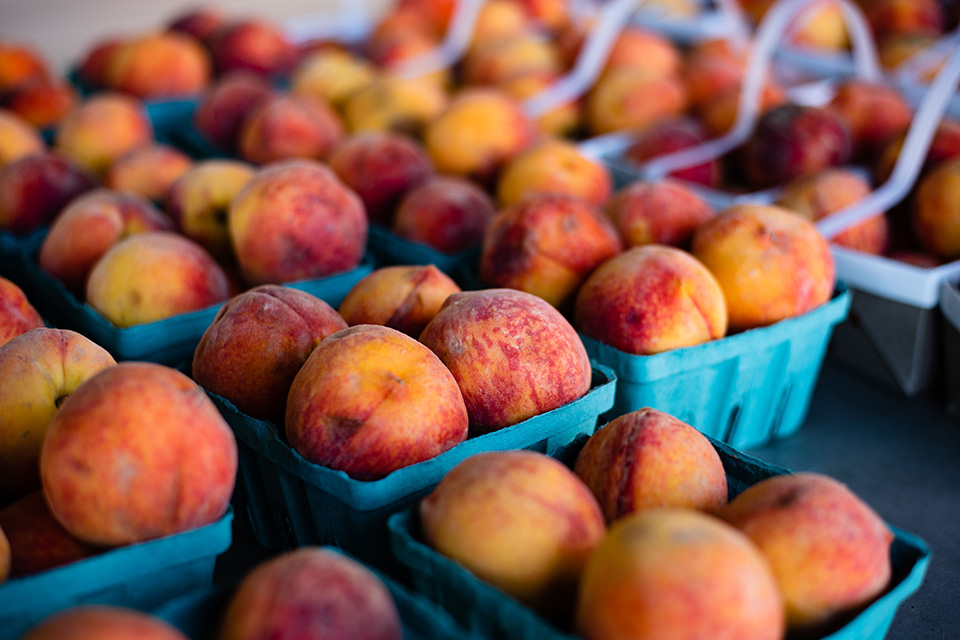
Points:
(42, 103)
(791, 141)
(829, 551)
(874, 115)
(651, 299)
(88, 227)
(709, 73)
(148, 171)
(518, 520)
(770, 263)
(821, 28)
(257, 344)
(448, 213)
(137, 452)
(47, 365)
(936, 216)
(154, 275)
(331, 76)
(19, 64)
(200, 199)
(513, 355)
(720, 113)
(551, 14)
(404, 298)
(17, 138)
(101, 622)
(93, 67)
(479, 131)
(296, 220)
(252, 45)
(553, 167)
(944, 146)
(643, 50)
(311, 592)
(829, 191)
(199, 23)
(370, 400)
(890, 17)
(224, 108)
(497, 21)
(4, 557)
(895, 49)
(664, 212)
(499, 61)
(37, 541)
(17, 315)
(560, 121)
(381, 168)
(35, 188)
(667, 136)
(547, 245)
(675, 574)
(436, 14)
(103, 129)
(288, 126)
(393, 103)
(629, 99)
(392, 55)
(160, 65)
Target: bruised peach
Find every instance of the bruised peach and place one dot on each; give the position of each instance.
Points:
(37, 541)
(447, 213)
(394, 103)
(663, 212)
(874, 115)
(35, 188)
(630, 99)
(936, 217)
(17, 315)
(42, 103)
(331, 76)
(667, 136)
(224, 108)
(553, 167)
(160, 65)
(101, 622)
(287, 126)
(251, 45)
(17, 138)
(148, 171)
(103, 129)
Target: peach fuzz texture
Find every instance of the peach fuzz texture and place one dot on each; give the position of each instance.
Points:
(17, 315)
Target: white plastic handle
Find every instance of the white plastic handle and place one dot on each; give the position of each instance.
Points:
(348, 23)
(912, 155)
(455, 43)
(737, 22)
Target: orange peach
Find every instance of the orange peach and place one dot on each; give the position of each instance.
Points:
(370, 400)
(551, 14)
(664, 212)
(630, 99)
(553, 167)
(771, 264)
(643, 50)
(720, 113)
(518, 520)
(37, 541)
(154, 275)
(560, 121)
(393, 103)
(148, 171)
(103, 129)
(821, 28)
(315, 593)
(499, 20)
(137, 452)
(394, 54)
(405, 298)
(4, 557)
(17, 315)
(874, 114)
(708, 76)
(93, 67)
(101, 622)
(160, 65)
(896, 49)
(19, 64)
(547, 245)
(332, 76)
(512, 354)
(288, 126)
(251, 45)
(667, 136)
(35, 188)
(829, 551)
(499, 61)
(935, 215)
(296, 220)
(225, 106)
(17, 138)
(257, 344)
(42, 103)
(435, 14)
(48, 365)
(447, 213)
(651, 299)
(677, 574)
(891, 17)
(87, 228)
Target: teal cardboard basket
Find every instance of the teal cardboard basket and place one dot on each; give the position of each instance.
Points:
(13, 252)
(190, 141)
(745, 389)
(199, 614)
(287, 502)
(170, 341)
(140, 576)
(489, 613)
(391, 249)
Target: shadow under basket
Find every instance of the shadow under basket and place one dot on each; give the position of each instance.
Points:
(489, 613)
(391, 249)
(745, 389)
(139, 576)
(285, 501)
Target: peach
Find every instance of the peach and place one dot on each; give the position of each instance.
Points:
(664, 212)
(560, 121)
(381, 168)
(648, 459)
(48, 365)
(551, 14)
(17, 138)
(5, 560)
(137, 452)
(288, 126)
(791, 141)
(518, 520)
(512, 354)
(148, 171)
(874, 114)
(37, 541)
(296, 220)
(402, 23)
(447, 213)
(257, 344)
(896, 49)
(630, 99)
(829, 191)
(821, 28)
(393, 55)
(479, 131)
(770, 263)
(393, 103)
(677, 574)
(311, 592)
(944, 146)
(711, 71)
(251, 45)
(547, 245)
(200, 199)
(35, 188)
(154, 275)
(332, 76)
(936, 216)
(19, 64)
(891, 17)
(103, 129)
(499, 20)
(17, 315)
(370, 400)
(667, 136)
(93, 68)
(405, 298)
(160, 65)
(501, 60)
(42, 103)
(829, 551)
(224, 108)
(642, 50)
(651, 299)
(720, 113)
(435, 14)
(199, 23)
(87, 228)
(553, 167)
(101, 622)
